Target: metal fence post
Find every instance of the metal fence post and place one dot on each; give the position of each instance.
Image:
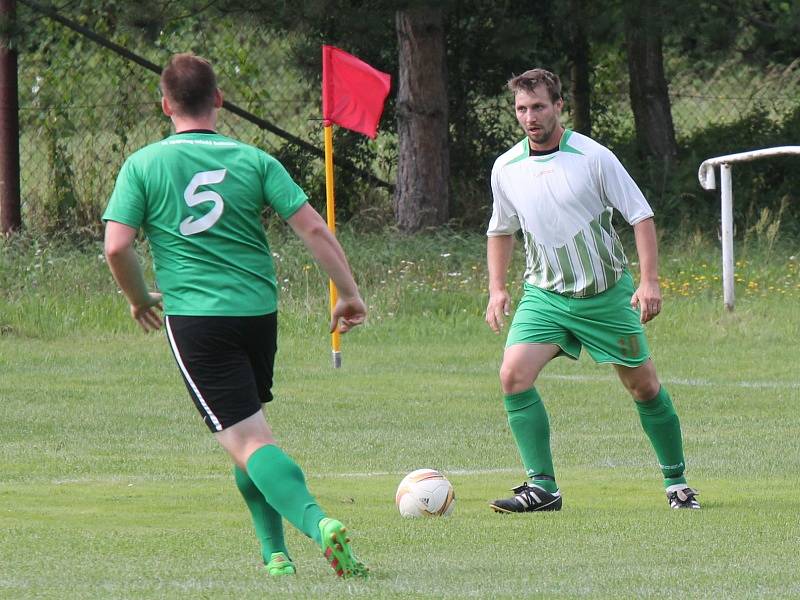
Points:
(709, 182)
(726, 188)
(10, 214)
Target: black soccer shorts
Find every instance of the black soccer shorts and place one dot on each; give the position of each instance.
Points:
(226, 363)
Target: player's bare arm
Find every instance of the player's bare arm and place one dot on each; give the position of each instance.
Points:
(647, 298)
(127, 272)
(498, 257)
(309, 226)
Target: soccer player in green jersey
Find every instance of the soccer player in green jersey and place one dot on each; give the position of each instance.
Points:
(199, 196)
(560, 189)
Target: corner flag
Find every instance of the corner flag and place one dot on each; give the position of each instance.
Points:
(353, 94)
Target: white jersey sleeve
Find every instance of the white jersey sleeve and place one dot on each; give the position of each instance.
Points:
(504, 219)
(620, 190)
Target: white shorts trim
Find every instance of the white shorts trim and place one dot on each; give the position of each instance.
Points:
(198, 395)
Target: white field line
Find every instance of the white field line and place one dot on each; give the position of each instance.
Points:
(135, 480)
(520, 470)
(788, 385)
(132, 481)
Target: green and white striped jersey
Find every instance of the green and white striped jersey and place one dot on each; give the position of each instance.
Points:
(563, 202)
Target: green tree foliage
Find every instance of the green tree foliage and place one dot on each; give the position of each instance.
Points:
(759, 31)
(731, 67)
(487, 43)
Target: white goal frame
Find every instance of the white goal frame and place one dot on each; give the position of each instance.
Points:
(708, 181)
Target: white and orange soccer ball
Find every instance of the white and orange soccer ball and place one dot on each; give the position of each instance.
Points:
(425, 493)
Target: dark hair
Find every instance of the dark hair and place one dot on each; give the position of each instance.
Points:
(529, 80)
(189, 83)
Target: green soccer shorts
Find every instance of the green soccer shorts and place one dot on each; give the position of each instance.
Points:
(605, 324)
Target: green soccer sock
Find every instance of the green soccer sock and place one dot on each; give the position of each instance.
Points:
(530, 426)
(284, 487)
(660, 423)
(266, 520)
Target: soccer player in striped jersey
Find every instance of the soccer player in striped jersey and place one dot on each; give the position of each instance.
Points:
(559, 189)
(199, 196)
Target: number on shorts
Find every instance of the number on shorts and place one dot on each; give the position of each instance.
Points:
(629, 345)
(190, 225)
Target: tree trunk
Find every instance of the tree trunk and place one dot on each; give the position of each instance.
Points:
(655, 132)
(578, 56)
(423, 169)
(10, 218)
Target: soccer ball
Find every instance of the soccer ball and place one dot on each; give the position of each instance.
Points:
(425, 493)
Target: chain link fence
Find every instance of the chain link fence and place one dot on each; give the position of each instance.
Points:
(84, 108)
(731, 91)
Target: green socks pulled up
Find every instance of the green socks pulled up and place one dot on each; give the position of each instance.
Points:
(267, 522)
(530, 427)
(660, 423)
(283, 485)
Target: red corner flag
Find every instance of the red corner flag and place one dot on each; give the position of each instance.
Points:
(353, 93)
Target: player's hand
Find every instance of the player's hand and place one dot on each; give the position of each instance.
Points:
(148, 314)
(498, 309)
(348, 313)
(647, 300)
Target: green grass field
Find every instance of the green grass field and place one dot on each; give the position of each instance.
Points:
(111, 486)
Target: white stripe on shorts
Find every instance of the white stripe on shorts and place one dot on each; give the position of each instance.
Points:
(174, 346)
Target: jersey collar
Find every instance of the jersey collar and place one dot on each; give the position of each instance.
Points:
(563, 146)
(195, 131)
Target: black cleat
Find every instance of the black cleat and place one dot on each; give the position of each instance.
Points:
(682, 496)
(528, 498)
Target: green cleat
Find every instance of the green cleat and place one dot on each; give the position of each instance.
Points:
(279, 564)
(336, 547)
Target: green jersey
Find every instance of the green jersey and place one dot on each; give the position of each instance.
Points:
(199, 196)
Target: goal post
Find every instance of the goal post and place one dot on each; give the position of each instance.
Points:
(707, 176)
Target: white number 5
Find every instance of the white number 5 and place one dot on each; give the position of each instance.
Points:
(190, 226)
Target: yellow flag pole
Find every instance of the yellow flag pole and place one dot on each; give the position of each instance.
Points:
(331, 217)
